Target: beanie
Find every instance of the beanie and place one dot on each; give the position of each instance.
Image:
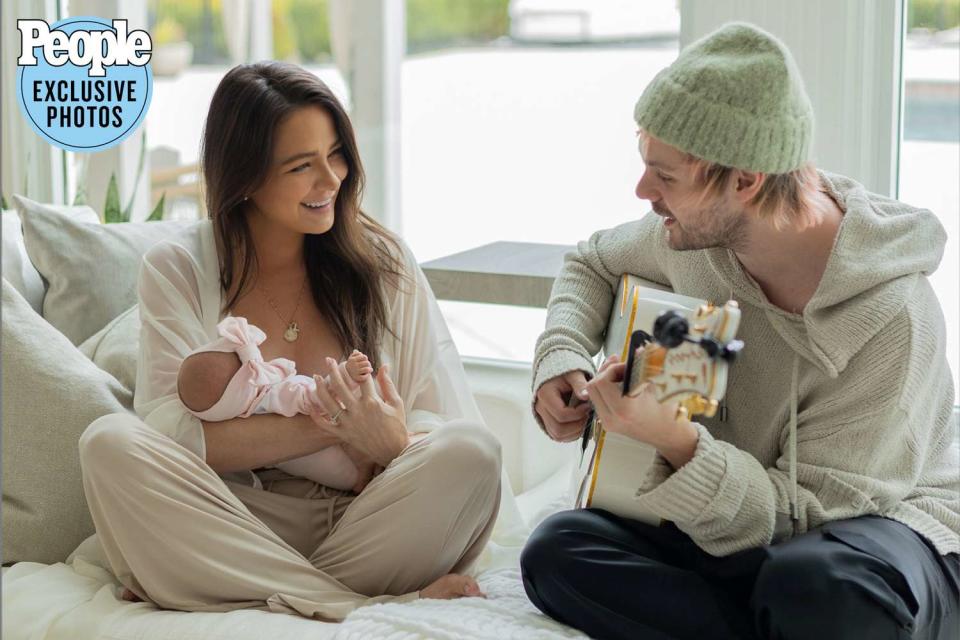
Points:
(734, 98)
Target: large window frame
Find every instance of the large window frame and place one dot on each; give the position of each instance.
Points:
(856, 60)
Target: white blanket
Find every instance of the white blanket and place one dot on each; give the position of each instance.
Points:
(81, 602)
(504, 614)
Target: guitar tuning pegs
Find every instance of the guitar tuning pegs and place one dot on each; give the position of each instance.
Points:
(670, 329)
(712, 407)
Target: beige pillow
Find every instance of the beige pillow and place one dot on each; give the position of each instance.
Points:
(51, 392)
(115, 347)
(17, 268)
(90, 269)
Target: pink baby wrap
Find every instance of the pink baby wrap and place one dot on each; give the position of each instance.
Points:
(272, 387)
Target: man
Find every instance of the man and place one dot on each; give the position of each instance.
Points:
(825, 502)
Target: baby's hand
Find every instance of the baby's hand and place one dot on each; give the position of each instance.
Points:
(358, 367)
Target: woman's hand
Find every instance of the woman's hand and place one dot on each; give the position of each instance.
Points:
(641, 417)
(373, 426)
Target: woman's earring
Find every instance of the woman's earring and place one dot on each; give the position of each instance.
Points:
(245, 198)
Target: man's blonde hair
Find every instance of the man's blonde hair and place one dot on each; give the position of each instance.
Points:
(786, 199)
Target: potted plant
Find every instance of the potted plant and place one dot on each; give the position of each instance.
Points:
(171, 51)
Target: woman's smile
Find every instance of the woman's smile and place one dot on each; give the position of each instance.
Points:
(318, 206)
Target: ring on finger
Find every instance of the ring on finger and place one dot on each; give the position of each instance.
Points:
(336, 417)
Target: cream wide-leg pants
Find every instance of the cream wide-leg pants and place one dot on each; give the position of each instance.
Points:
(177, 534)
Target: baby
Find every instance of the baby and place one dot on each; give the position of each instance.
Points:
(228, 378)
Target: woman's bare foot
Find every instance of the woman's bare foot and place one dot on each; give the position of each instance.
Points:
(452, 586)
(130, 596)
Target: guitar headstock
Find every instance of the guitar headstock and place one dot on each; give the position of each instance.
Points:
(686, 358)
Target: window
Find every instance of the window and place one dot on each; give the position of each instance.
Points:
(930, 149)
(518, 125)
(195, 43)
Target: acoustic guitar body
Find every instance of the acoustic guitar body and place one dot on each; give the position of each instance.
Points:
(613, 466)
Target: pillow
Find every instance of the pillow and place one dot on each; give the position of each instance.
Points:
(90, 269)
(17, 268)
(115, 348)
(51, 392)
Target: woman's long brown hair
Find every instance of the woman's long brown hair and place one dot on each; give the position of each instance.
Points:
(352, 266)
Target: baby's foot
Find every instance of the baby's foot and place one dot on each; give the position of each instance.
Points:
(366, 468)
(358, 366)
(361, 485)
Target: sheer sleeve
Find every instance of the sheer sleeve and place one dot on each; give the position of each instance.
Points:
(425, 363)
(171, 327)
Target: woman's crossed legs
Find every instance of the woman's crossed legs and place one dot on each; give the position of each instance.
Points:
(175, 533)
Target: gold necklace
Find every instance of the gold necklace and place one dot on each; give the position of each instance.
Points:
(292, 331)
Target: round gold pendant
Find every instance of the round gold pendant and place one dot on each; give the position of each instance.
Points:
(292, 332)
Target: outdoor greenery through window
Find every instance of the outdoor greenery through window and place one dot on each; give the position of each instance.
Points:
(301, 28)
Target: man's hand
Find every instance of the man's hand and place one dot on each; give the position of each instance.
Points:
(563, 423)
(641, 417)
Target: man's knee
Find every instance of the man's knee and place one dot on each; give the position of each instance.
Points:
(549, 547)
(807, 594)
(466, 450)
(552, 569)
(542, 548)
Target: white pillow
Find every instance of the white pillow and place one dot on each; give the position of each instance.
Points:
(17, 268)
(90, 269)
(51, 392)
(115, 348)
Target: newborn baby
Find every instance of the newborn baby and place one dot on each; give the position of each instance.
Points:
(228, 378)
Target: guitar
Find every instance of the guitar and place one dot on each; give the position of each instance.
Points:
(685, 358)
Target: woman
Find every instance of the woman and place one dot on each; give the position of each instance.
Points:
(187, 513)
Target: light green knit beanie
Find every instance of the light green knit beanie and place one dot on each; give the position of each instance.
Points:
(735, 98)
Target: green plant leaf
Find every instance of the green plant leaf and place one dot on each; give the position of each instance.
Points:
(136, 181)
(111, 208)
(3, 202)
(80, 197)
(26, 183)
(82, 163)
(158, 210)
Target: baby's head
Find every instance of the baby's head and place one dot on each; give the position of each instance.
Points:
(204, 377)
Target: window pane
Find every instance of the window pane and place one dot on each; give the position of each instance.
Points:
(518, 125)
(195, 43)
(930, 152)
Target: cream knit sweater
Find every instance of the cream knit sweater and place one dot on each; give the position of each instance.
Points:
(859, 382)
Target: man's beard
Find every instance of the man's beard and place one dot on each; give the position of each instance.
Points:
(716, 228)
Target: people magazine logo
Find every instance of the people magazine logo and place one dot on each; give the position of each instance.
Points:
(84, 83)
